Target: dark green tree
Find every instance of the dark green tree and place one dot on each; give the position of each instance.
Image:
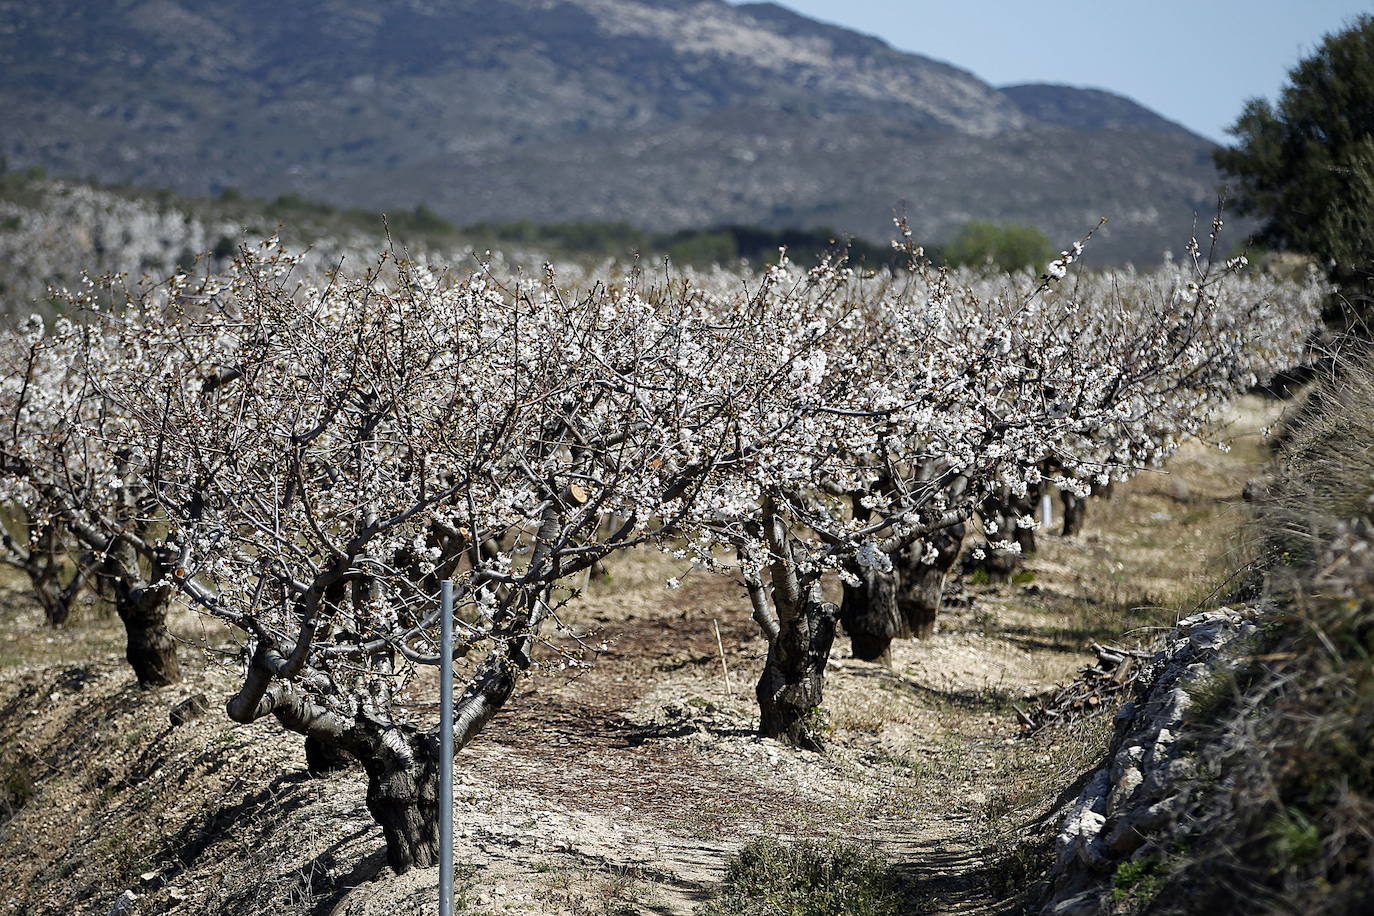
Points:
(1305, 165)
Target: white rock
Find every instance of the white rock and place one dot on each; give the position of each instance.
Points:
(1125, 785)
(124, 904)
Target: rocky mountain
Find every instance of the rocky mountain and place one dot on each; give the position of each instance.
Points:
(661, 113)
(1087, 109)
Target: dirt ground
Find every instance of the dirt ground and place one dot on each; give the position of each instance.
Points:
(622, 789)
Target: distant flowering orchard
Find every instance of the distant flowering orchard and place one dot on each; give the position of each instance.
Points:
(304, 455)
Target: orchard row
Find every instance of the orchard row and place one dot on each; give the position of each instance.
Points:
(304, 454)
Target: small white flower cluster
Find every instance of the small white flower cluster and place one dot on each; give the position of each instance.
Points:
(1058, 269)
(869, 556)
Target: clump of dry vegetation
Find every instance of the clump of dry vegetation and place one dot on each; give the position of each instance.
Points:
(1284, 795)
(772, 878)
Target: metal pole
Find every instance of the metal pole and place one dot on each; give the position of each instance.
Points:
(446, 748)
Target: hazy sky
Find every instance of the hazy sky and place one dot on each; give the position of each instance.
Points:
(1195, 63)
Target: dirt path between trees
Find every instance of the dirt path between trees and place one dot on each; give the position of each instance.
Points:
(624, 788)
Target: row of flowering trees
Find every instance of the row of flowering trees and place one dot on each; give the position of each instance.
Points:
(305, 456)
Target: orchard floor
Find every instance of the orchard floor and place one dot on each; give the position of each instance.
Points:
(624, 787)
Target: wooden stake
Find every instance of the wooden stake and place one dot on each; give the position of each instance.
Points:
(729, 690)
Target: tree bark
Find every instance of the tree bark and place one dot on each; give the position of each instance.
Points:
(57, 601)
(323, 758)
(1075, 512)
(869, 612)
(1021, 506)
(149, 647)
(793, 677)
(403, 797)
(41, 561)
(1004, 509)
(923, 584)
(402, 765)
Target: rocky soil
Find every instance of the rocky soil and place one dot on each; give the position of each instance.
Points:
(622, 788)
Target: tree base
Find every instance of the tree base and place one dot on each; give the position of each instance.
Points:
(403, 797)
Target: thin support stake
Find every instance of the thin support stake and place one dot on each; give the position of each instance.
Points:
(729, 691)
(446, 748)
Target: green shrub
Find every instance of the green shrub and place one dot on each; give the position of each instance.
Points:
(771, 878)
(1305, 164)
(421, 220)
(1136, 878)
(704, 248)
(713, 245)
(295, 204)
(1007, 246)
(1295, 839)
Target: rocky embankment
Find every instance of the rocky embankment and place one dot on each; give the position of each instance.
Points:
(1126, 808)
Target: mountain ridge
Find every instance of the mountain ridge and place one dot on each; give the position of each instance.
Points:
(1086, 108)
(667, 114)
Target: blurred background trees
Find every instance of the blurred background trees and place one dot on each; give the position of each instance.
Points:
(1008, 246)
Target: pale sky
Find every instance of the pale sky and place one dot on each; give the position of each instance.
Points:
(1195, 63)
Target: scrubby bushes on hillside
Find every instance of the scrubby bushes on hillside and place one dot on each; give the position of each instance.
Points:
(1296, 761)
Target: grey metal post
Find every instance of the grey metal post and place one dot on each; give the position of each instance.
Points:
(446, 748)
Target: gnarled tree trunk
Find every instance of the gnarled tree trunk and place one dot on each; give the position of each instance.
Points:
(403, 797)
(41, 561)
(323, 758)
(869, 612)
(402, 764)
(793, 680)
(149, 647)
(1004, 509)
(1075, 512)
(57, 599)
(142, 608)
(1076, 507)
(923, 584)
(1021, 507)
(800, 627)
